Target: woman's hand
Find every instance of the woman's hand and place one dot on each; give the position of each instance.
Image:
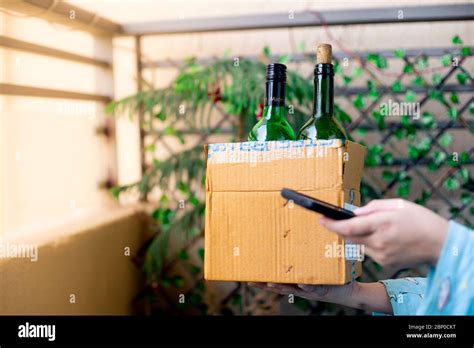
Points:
(367, 296)
(395, 232)
(326, 293)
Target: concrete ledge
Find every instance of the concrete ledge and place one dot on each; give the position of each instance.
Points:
(84, 260)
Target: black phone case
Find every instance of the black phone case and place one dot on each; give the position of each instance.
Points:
(327, 209)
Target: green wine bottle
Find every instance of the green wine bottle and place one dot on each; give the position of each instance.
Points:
(323, 124)
(273, 124)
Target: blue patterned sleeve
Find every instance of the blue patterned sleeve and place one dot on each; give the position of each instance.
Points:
(450, 287)
(405, 294)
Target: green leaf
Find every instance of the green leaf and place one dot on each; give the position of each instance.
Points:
(403, 191)
(446, 60)
(454, 211)
(237, 300)
(399, 133)
(437, 78)
(374, 155)
(379, 61)
(373, 90)
(201, 253)
(164, 216)
(397, 86)
(471, 108)
(183, 187)
(404, 187)
(423, 62)
(347, 79)
(361, 131)
(408, 69)
(466, 51)
(195, 270)
(436, 95)
(169, 130)
(457, 40)
(424, 145)
(466, 198)
(357, 72)
(302, 304)
(462, 78)
(194, 299)
(388, 176)
(359, 102)
(388, 158)
(464, 172)
(150, 148)
(428, 120)
(110, 108)
(266, 51)
(183, 255)
(164, 199)
(413, 152)
(194, 201)
(464, 157)
(405, 121)
(115, 191)
(338, 68)
(161, 116)
(454, 98)
(410, 96)
(418, 81)
(446, 140)
(177, 281)
(200, 286)
(424, 198)
(452, 183)
(439, 157)
(400, 53)
(453, 113)
(379, 118)
(284, 59)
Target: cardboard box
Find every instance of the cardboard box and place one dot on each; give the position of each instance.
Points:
(254, 234)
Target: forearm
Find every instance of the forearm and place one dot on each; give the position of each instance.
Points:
(370, 297)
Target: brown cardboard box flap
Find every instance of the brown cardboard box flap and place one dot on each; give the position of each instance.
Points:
(270, 166)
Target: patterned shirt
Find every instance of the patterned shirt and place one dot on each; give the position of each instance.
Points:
(449, 287)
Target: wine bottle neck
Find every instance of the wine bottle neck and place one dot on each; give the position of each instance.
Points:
(275, 93)
(323, 91)
(274, 104)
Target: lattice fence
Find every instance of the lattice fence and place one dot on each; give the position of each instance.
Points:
(424, 157)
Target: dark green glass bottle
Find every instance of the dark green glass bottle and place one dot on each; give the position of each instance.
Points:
(273, 124)
(323, 124)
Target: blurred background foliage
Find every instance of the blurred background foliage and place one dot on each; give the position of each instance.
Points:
(172, 259)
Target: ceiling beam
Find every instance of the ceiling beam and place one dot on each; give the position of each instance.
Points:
(66, 14)
(400, 14)
(27, 91)
(29, 47)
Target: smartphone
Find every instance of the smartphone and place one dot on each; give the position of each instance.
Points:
(327, 209)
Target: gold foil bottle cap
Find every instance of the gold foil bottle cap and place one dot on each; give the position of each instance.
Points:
(323, 54)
